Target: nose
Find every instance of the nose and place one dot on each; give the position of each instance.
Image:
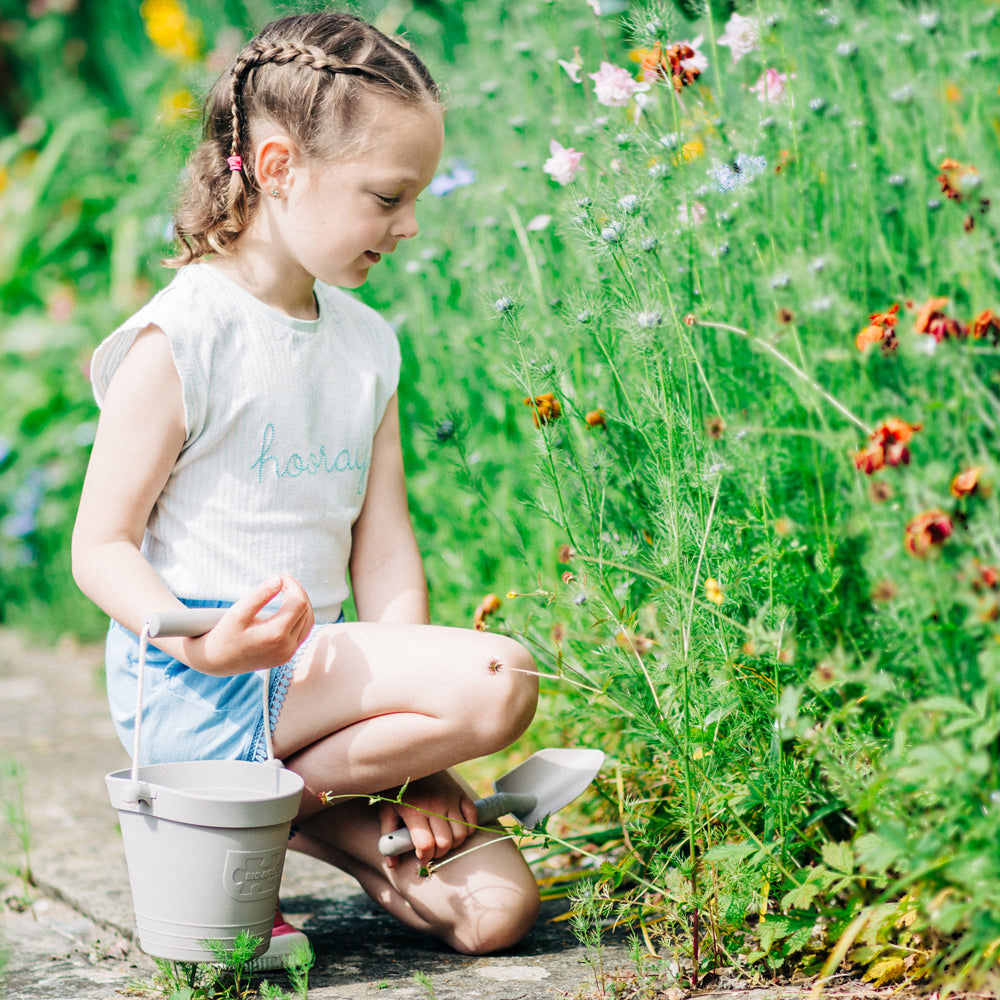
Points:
(405, 224)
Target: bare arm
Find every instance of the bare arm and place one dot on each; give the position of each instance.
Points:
(387, 574)
(139, 436)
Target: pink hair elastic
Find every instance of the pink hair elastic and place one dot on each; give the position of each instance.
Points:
(235, 163)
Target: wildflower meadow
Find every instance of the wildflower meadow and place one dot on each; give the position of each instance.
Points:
(701, 346)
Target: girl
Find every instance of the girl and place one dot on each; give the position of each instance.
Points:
(249, 431)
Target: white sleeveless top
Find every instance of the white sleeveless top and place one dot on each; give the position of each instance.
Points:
(280, 415)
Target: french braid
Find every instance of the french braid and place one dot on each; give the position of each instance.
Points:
(307, 74)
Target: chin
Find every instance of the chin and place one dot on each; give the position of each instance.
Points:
(351, 280)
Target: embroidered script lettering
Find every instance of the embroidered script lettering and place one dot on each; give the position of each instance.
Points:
(296, 465)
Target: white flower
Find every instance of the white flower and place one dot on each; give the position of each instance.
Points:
(742, 36)
(562, 164)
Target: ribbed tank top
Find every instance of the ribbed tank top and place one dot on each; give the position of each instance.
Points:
(280, 416)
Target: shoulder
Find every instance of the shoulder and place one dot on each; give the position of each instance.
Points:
(182, 312)
(366, 328)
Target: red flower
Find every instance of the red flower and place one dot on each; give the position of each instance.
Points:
(889, 446)
(926, 531)
(933, 321)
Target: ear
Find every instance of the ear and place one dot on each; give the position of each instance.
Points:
(274, 162)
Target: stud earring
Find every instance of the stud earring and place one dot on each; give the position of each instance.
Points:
(274, 192)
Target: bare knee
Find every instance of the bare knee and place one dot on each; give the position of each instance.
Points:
(499, 927)
(510, 696)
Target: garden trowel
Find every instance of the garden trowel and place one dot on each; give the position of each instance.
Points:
(532, 791)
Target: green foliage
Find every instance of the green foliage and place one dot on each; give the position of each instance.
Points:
(787, 646)
(229, 976)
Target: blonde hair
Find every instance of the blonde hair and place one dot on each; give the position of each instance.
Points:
(307, 75)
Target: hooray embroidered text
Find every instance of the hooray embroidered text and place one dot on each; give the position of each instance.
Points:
(312, 464)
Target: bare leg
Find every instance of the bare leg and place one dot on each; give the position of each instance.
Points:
(372, 706)
(477, 903)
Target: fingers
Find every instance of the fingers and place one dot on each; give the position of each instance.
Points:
(435, 832)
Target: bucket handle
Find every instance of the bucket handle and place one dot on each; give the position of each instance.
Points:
(188, 622)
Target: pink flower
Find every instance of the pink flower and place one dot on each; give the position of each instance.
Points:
(742, 36)
(563, 164)
(614, 87)
(693, 214)
(771, 87)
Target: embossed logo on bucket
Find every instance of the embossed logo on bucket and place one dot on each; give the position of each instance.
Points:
(252, 874)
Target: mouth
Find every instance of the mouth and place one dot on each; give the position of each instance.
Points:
(372, 256)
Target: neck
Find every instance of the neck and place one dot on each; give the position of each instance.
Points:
(252, 268)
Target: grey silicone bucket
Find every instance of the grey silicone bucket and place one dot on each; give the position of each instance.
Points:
(205, 847)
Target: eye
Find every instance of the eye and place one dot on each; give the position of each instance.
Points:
(390, 201)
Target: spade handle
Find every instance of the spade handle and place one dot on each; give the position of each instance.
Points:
(398, 842)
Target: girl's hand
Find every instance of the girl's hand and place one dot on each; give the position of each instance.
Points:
(438, 814)
(243, 641)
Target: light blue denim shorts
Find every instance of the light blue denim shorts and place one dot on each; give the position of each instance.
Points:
(187, 715)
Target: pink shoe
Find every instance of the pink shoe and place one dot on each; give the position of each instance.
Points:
(285, 940)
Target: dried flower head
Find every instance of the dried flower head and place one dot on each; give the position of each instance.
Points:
(927, 531)
(546, 408)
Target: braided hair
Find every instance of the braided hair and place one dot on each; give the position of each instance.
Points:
(306, 75)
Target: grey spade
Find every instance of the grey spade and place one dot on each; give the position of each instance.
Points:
(531, 792)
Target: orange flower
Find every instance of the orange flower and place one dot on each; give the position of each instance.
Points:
(965, 483)
(546, 408)
(956, 178)
(889, 446)
(596, 419)
(677, 63)
(932, 320)
(489, 605)
(870, 459)
(987, 324)
(927, 530)
(880, 329)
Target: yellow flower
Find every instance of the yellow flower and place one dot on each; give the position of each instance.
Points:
(170, 29)
(689, 151)
(713, 592)
(178, 105)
